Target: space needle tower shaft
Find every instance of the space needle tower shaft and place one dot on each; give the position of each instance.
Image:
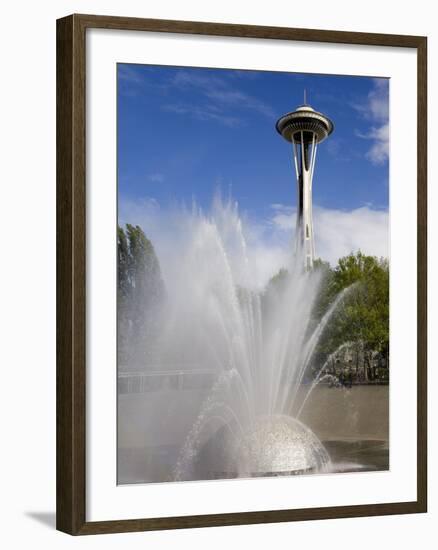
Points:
(304, 128)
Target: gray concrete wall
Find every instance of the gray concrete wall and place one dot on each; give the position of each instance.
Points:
(361, 412)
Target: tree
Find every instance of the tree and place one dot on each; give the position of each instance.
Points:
(140, 295)
(361, 319)
(123, 282)
(326, 294)
(363, 316)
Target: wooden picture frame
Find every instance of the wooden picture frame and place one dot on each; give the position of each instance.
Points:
(71, 273)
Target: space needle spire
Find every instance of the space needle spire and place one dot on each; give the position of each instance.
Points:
(305, 128)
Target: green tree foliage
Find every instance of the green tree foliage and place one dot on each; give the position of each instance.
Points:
(364, 311)
(140, 295)
(362, 317)
(325, 296)
(123, 257)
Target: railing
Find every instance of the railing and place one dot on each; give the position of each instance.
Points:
(164, 380)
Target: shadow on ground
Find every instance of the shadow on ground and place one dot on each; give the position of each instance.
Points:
(45, 518)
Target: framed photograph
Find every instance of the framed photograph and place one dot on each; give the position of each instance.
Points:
(241, 274)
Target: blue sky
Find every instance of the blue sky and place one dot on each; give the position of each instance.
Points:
(184, 132)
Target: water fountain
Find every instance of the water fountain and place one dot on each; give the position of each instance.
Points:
(258, 342)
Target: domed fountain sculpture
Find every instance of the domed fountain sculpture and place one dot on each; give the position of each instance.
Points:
(280, 445)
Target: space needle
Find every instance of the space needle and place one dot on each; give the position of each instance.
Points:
(304, 128)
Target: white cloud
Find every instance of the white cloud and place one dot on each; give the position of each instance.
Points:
(156, 178)
(203, 112)
(340, 232)
(141, 212)
(254, 251)
(129, 74)
(257, 249)
(221, 94)
(283, 217)
(240, 99)
(379, 151)
(376, 106)
(376, 110)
